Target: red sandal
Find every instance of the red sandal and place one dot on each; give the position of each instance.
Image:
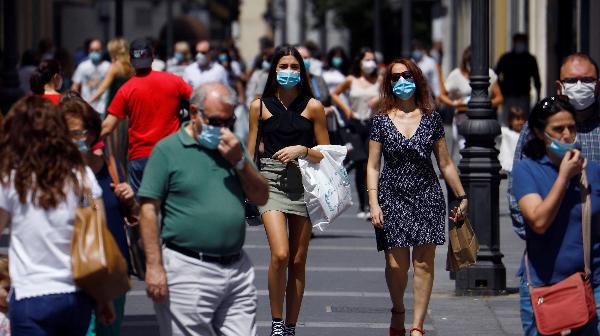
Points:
(417, 329)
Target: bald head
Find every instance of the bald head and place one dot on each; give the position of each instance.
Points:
(203, 46)
(578, 65)
(215, 99)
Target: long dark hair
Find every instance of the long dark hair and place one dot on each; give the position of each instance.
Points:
(356, 68)
(535, 148)
(43, 75)
(338, 51)
(423, 98)
(271, 86)
(37, 154)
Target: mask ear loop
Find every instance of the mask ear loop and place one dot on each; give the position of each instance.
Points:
(575, 141)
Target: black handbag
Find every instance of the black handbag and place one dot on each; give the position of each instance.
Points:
(354, 144)
(251, 210)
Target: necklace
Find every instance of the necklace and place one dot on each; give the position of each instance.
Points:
(280, 101)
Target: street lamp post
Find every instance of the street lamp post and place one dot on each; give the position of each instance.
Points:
(10, 90)
(406, 27)
(480, 169)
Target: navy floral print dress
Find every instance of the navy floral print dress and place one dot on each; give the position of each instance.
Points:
(409, 193)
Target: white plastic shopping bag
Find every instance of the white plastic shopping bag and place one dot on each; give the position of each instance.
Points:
(327, 191)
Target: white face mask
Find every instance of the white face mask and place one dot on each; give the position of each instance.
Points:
(201, 58)
(581, 95)
(368, 66)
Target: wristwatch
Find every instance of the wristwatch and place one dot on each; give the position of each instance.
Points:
(240, 164)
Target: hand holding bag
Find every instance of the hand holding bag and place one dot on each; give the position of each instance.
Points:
(97, 264)
(568, 304)
(132, 230)
(463, 246)
(251, 211)
(327, 188)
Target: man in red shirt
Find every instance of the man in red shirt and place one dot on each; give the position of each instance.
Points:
(151, 100)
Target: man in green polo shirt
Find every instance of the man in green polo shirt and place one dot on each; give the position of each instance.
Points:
(201, 281)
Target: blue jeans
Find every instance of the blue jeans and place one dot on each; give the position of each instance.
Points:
(136, 172)
(528, 320)
(50, 315)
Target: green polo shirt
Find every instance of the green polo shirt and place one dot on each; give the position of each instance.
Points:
(202, 201)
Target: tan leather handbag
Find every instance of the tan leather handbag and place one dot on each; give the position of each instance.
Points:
(97, 264)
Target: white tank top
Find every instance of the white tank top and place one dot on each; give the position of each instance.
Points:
(361, 91)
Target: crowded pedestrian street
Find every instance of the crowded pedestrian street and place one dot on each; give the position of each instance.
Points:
(346, 293)
(299, 167)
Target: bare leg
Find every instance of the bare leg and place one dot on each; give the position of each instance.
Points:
(423, 264)
(300, 230)
(275, 226)
(397, 262)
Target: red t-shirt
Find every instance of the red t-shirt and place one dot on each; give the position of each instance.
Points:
(152, 103)
(54, 97)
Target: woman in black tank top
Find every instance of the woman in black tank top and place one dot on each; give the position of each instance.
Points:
(292, 122)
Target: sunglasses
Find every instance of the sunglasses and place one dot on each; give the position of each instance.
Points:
(406, 75)
(219, 122)
(574, 80)
(78, 134)
(547, 102)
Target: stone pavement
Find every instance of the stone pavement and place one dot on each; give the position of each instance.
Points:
(346, 292)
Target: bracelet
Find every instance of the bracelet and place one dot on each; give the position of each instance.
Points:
(305, 155)
(461, 197)
(374, 189)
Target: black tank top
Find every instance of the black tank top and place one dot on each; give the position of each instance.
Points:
(286, 127)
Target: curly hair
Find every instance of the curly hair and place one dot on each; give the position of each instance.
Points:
(389, 100)
(37, 155)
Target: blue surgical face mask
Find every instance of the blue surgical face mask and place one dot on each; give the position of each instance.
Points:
(337, 61)
(210, 136)
(179, 56)
(288, 78)
(416, 55)
(223, 58)
(307, 64)
(404, 89)
(95, 56)
(560, 149)
(82, 146)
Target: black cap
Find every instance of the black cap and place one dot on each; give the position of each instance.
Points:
(140, 51)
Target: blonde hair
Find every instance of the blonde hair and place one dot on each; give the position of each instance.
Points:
(118, 49)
